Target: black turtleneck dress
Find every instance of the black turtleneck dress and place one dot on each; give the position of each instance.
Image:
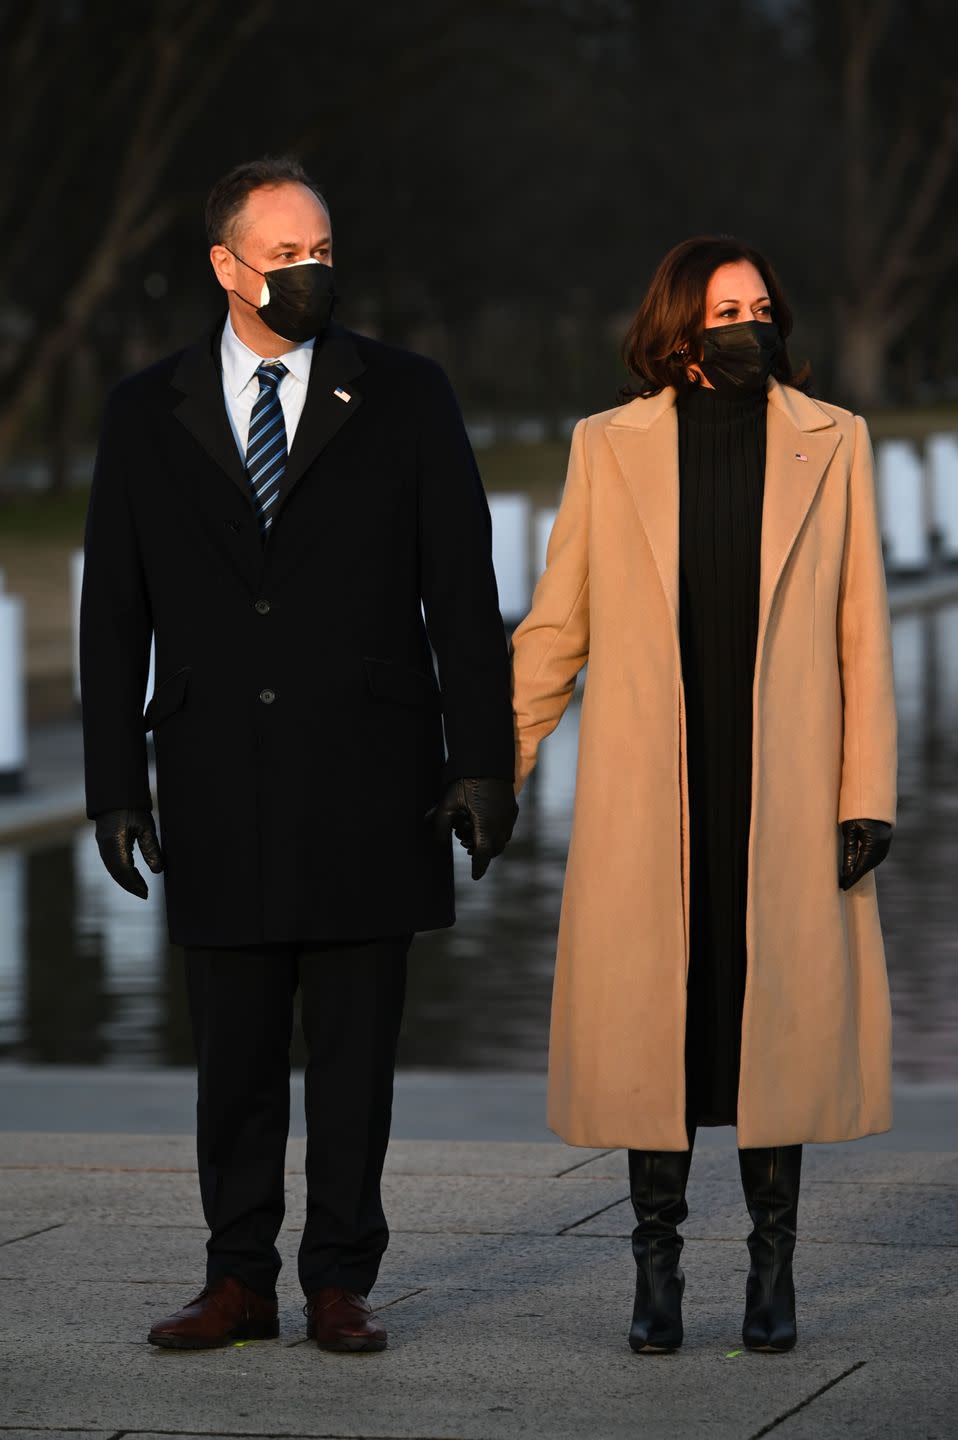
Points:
(721, 486)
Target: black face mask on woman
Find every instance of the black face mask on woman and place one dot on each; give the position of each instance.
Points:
(296, 301)
(737, 359)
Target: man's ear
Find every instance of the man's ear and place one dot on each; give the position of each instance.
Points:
(224, 266)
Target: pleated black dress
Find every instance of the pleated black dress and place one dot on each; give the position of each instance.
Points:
(721, 486)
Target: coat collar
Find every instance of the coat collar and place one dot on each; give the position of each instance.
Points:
(240, 363)
(800, 409)
(801, 438)
(202, 408)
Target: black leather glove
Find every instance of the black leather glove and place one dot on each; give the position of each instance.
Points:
(482, 813)
(866, 843)
(116, 831)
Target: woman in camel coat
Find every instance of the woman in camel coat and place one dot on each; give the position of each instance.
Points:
(716, 559)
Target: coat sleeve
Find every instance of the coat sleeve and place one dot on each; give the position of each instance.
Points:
(115, 629)
(869, 747)
(459, 592)
(551, 645)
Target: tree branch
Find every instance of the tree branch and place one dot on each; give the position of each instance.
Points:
(162, 119)
(921, 211)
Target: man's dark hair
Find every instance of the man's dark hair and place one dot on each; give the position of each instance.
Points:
(230, 193)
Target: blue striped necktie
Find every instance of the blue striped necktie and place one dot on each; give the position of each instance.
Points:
(266, 452)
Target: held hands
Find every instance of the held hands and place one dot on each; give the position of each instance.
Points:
(116, 831)
(866, 843)
(482, 813)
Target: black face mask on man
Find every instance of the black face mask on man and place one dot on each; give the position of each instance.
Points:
(296, 301)
(738, 358)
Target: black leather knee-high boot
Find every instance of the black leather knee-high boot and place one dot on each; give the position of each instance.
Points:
(657, 1180)
(770, 1179)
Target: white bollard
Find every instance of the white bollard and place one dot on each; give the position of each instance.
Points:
(76, 586)
(12, 931)
(13, 708)
(942, 455)
(76, 590)
(510, 553)
(902, 505)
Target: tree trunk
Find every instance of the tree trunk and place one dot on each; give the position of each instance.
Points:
(59, 395)
(862, 359)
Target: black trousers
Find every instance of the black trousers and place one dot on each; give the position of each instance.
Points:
(241, 1008)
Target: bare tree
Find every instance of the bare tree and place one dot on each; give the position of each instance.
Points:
(147, 97)
(900, 164)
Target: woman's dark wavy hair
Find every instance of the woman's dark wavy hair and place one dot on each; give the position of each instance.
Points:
(672, 316)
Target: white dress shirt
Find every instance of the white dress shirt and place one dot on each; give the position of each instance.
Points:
(241, 387)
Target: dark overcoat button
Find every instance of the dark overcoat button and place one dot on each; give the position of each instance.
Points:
(262, 607)
(267, 696)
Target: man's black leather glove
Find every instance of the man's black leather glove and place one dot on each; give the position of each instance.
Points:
(482, 813)
(866, 843)
(116, 830)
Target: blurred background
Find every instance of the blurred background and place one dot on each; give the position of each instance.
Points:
(503, 176)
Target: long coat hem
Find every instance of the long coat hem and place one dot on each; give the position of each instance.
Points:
(617, 1140)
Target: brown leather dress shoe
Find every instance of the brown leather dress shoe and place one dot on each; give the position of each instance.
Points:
(341, 1320)
(222, 1312)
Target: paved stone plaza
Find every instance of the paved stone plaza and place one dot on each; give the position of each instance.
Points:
(506, 1291)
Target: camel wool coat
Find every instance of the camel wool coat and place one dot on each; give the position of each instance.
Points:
(816, 1029)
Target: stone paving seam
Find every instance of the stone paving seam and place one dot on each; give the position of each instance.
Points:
(739, 1239)
(586, 1218)
(590, 1160)
(809, 1400)
(15, 1240)
(228, 1434)
(109, 1169)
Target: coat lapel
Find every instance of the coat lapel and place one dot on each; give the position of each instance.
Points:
(335, 363)
(801, 439)
(644, 439)
(202, 409)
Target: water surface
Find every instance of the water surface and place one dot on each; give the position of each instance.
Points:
(87, 975)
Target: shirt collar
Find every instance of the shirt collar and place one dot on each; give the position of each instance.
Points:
(240, 363)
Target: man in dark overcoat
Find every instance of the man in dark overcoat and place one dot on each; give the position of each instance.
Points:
(294, 514)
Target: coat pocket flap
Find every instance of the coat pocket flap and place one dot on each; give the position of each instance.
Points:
(167, 697)
(388, 680)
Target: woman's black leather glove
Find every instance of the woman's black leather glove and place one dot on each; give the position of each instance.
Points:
(116, 830)
(482, 813)
(866, 843)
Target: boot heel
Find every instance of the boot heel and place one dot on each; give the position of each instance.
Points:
(660, 1333)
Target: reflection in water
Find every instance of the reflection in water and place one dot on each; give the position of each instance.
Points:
(87, 975)
(916, 885)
